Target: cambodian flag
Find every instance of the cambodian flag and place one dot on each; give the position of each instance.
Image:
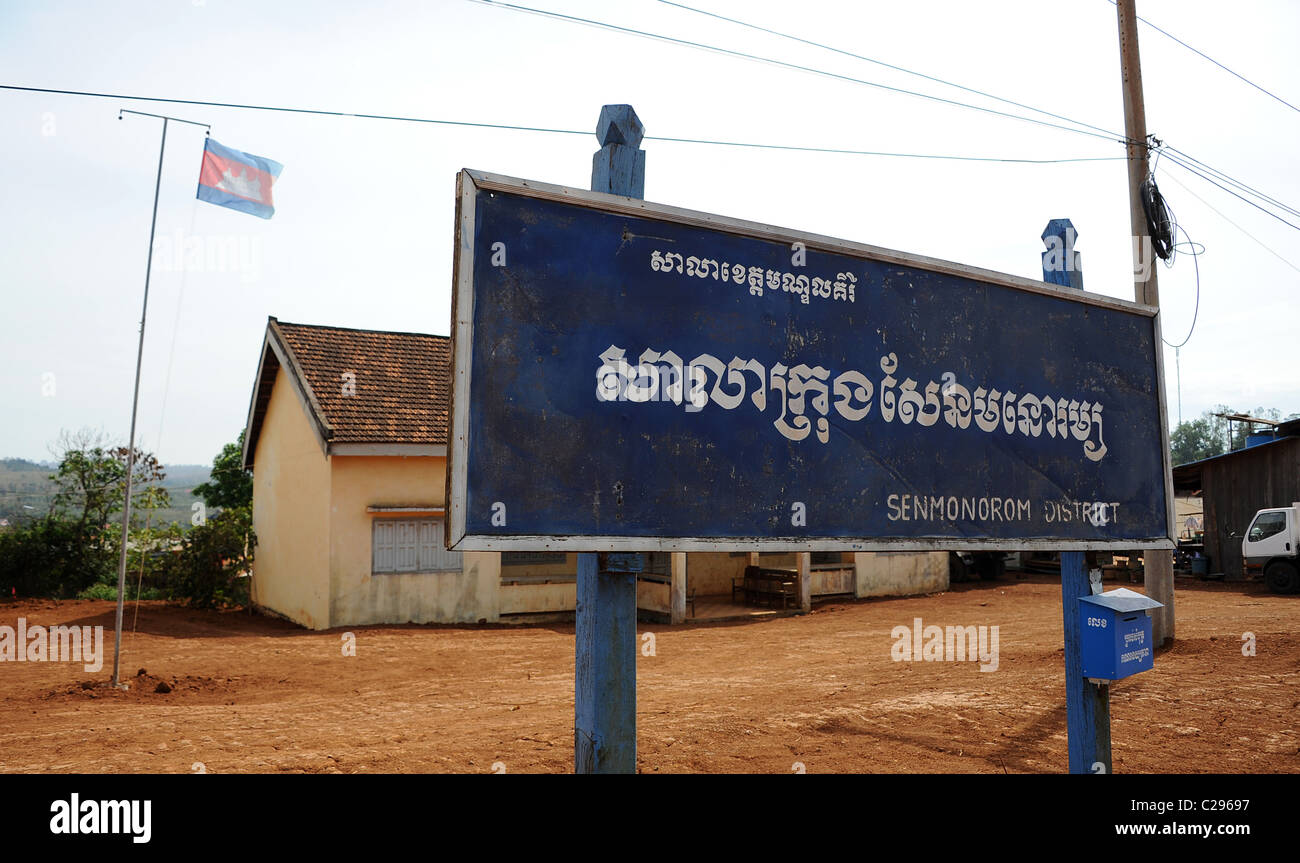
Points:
(240, 181)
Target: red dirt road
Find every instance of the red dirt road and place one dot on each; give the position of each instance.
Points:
(251, 694)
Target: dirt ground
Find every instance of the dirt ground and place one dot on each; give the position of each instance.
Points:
(252, 694)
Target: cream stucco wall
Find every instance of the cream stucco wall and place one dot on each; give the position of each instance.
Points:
(538, 598)
(653, 595)
(291, 492)
(538, 588)
(360, 597)
(710, 573)
(893, 573)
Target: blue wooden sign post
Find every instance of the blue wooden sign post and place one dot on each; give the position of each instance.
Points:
(604, 694)
(633, 377)
(1087, 705)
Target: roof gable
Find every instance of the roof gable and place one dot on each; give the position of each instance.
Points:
(360, 386)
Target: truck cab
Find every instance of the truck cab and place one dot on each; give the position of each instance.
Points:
(1272, 545)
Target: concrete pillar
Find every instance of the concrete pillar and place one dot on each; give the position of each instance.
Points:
(860, 574)
(805, 581)
(677, 592)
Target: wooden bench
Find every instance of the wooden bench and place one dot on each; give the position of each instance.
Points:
(761, 585)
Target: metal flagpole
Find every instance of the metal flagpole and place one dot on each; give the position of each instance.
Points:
(135, 398)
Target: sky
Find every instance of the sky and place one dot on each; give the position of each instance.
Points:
(362, 233)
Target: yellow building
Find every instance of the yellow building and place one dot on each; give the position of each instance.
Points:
(346, 437)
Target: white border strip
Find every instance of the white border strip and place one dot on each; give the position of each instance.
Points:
(792, 544)
(462, 311)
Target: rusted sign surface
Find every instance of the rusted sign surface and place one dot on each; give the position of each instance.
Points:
(629, 376)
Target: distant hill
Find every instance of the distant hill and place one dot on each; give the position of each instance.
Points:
(25, 487)
(26, 490)
(179, 482)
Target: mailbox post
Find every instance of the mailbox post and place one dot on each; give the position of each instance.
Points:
(1115, 629)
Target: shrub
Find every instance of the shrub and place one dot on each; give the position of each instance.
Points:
(52, 557)
(101, 590)
(206, 566)
(211, 570)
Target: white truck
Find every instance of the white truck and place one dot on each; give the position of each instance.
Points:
(1272, 544)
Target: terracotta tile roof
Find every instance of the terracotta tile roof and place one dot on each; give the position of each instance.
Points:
(365, 386)
(402, 382)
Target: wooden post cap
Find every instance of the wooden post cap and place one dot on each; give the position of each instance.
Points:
(1064, 230)
(619, 124)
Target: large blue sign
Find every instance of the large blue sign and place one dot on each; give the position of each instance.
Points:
(629, 376)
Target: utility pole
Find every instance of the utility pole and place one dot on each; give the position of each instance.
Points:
(1158, 566)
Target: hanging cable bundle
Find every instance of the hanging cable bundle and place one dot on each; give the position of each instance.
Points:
(1163, 228)
(1160, 226)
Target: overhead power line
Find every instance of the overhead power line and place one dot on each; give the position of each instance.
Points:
(1199, 53)
(574, 19)
(1257, 240)
(1240, 185)
(1109, 134)
(1196, 309)
(812, 70)
(882, 153)
(517, 128)
(665, 138)
(316, 111)
(1187, 167)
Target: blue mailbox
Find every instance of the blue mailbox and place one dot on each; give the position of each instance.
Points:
(1115, 628)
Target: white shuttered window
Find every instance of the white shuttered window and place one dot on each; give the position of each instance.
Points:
(411, 545)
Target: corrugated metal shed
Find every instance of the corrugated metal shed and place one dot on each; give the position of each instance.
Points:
(1238, 484)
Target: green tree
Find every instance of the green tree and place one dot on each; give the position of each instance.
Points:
(230, 486)
(88, 481)
(1212, 434)
(1194, 440)
(214, 566)
(79, 536)
(91, 476)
